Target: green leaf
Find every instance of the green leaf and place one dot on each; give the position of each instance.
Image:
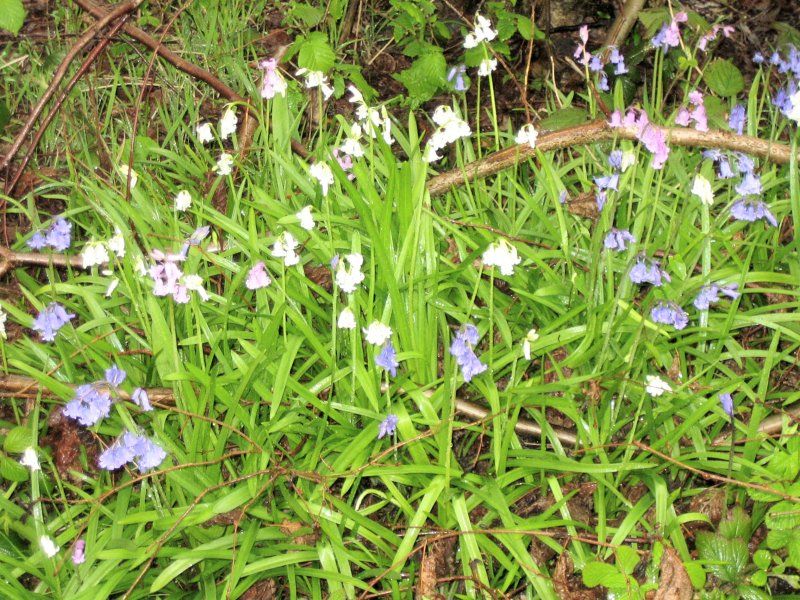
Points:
(315, 53)
(736, 526)
(12, 15)
(424, 77)
(793, 550)
(525, 27)
(762, 558)
(12, 470)
(17, 440)
(627, 559)
(783, 515)
(599, 573)
(779, 538)
(653, 19)
(723, 78)
(747, 592)
(724, 558)
(565, 117)
(308, 15)
(787, 35)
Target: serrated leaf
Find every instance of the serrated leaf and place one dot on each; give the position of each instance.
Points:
(653, 19)
(565, 117)
(307, 14)
(779, 538)
(783, 515)
(599, 573)
(627, 559)
(784, 466)
(17, 440)
(315, 53)
(12, 470)
(735, 526)
(724, 558)
(12, 15)
(424, 77)
(723, 78)
(793, 549)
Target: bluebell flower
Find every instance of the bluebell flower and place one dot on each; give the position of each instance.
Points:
(737, 119)
(141, 399)
(750, 185)
(388, 426)
(37, 241)
(709, 294)
(724, 170)
(745, 163)
(595, 64)
(90, 404)
(752, 210)
(562, 197)
(615, 160)
(727, 403)
(669, 313)
(59, 235)
(148, 454)
(618, 60)
(618, 239)
(388, 359)
(461, 348)
(131, 447)
(115, 376)
(758, 58)
(607, 182)
(648, 271)
(50, 320)
(455, 76)
(116, 456)
(602, 82)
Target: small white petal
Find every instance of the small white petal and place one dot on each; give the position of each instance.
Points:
(655, 386)
(30, 460)
(377, 333)
(701, 187)
(183, 200)
(48, 546)
(346, 320)
(306, 218)
(204, 133)
(227, 123)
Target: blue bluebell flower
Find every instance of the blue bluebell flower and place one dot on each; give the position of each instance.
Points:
(455, 76)
(750, 185)
(131, 447)
(724, 170)
(752, 210)
(90, 404)
(58, 236)
(388, 359)
(758, 58)
(618, 239)
(141, 399)
(387, 427)
(710, 294)
(461, 348)
(727, 403)
(50, 320)
(115, 376)
(618, 60)
(648, 271)
(737, 119)
(669, 313)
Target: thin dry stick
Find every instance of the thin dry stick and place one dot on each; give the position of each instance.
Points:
(598, 131)
(195, 71)
(92, 32)
(87, 63)
(10, 259)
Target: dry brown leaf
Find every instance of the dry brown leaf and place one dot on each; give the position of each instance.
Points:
(584, 205)
(437, 562)
(675, 583)
(266, 589)
(567, 586)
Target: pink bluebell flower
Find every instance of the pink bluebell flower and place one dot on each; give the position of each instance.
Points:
(273, 84)
(257, 277)
(78, 552)
(653, 137)
(669, 36)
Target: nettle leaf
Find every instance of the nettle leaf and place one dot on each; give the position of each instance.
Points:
(599, 573)
(627, 559)
(783, 515)
(653, 19)
(307, 14)
(424, 77)
(315, 53)
(11, 469)
(724, 558)
(784, 465)
(723, 78)
(12, 15)
(17, 440)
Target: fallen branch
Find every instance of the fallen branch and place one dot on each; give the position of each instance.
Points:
(769, 426)
(623, 24)
(59, 74)
(19, 386)
(599, 131)
(87, 63)
(10, 259)
(195, 71)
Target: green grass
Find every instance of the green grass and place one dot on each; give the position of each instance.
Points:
(274, 471)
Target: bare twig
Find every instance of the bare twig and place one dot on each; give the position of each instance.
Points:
(87, 63)
(623, 23)
(118, 11)
(598, 131)
(10, 259)
(195, 71)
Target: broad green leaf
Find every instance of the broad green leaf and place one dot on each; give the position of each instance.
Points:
(724, 558)
(10, 469)
(308, 15)
(17, 440)
(723, 77)
(315, 53)
(599, 573)
(563, 118)
(12, 16)
(424, 77)
(627, 559)
(783, 515)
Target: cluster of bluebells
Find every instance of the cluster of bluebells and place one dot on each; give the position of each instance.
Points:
(618, 239)
(595, 63)
(694, 113)
(710, 294)
(168, 276)
(669, 313)
(787, 98)
(58, 236)
(653, 138)
(132, 448)
(647, 270)
(462, 350)
(50, 319)
(92, 401)
(450, 127)
(669, 36)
